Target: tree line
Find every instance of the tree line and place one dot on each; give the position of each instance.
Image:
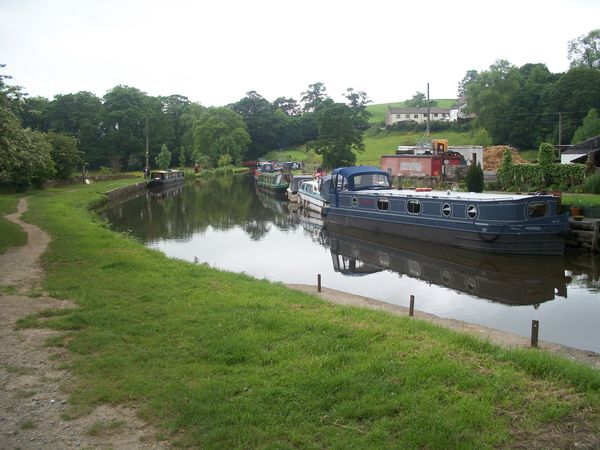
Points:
(528, 105)
(126, 129)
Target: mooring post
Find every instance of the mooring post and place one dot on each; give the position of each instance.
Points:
(319, 282)
(411, 309)
(535, 327)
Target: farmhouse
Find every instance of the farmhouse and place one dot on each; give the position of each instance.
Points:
(416, 115)
(579, 153)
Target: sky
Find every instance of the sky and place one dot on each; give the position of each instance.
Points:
(215, 51)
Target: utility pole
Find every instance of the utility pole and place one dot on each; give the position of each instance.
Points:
(147, 146)
(428, 105)
(559, 134)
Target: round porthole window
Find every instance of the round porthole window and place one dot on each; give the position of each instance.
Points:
(446, 210)
(354, 202)
(471, 211)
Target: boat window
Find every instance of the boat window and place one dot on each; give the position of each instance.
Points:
(341, 183)
(471, 211)
(413, 206)
(537, 209)
(446, 210)
(372, 180)
(383, 204)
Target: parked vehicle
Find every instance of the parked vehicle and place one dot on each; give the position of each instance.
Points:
(362, 197)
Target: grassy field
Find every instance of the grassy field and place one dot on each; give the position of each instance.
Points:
(379, 110)
(221, 360)
(11, 234)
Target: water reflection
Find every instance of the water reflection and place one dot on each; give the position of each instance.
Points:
(512, 281)
(226, 223)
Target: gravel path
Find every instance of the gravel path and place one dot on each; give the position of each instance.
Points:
(33, 399)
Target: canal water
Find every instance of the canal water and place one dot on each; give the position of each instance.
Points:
(225, 223)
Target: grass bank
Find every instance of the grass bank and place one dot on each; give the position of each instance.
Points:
(11, 234)
(221, 360)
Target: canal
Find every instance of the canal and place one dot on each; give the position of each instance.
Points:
(224, 223)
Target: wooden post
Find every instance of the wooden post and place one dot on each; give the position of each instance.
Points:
(319, 282)
(535, 327)
(411, 309)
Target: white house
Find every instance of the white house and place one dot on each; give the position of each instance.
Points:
(418, 115)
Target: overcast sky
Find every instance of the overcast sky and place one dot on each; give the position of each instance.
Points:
(215, 51)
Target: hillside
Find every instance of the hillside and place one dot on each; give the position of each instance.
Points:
(378, 111)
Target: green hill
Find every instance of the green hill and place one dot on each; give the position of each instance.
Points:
(378, 111)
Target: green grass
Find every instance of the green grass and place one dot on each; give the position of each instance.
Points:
(581, 199)
(378, 111)
(221, 360)
(11, 235)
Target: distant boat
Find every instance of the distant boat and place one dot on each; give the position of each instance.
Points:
(310, 197)
(274, 182)
(362, 197)
(292, 190)
(165, 177)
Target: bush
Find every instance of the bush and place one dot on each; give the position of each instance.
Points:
(592, 184)
(475, 178)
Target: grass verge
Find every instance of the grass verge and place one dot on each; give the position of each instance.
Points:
(11, 234)
(219, 359)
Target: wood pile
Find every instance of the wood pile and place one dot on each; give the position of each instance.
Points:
(492, 157)
(585, 234)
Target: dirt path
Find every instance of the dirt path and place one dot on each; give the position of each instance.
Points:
(33, 402)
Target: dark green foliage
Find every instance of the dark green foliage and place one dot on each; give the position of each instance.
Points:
(592, 184)
(475, 178)
(589, 128)
(64, 153)
(163, 160)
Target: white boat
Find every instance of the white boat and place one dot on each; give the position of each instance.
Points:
(292, 190)
(310, 196)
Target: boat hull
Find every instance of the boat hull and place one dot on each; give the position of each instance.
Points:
(528, 239)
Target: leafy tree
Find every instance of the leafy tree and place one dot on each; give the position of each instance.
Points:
(589, 128)
(182, 157)
(419, 100)
(585, 50)
(337, 135)
(34, 113)
(174, 109)
(123, 123)
(313, 97)
(480, 136)
(470, 77)
(220, 131)
(163, 160)
(358, 101)
(288, 105)
(475, 178)
(505, 174)
(263, 124)
(225, 160)
(64, 153)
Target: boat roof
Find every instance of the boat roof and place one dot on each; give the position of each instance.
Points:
(354, 170)
(453, 195)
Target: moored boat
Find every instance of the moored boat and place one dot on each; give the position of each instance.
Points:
(292, 190)
(362, 197)
(165, 177)
(310, 196)
(274, 182)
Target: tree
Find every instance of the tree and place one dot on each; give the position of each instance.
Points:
(585, 50)
(470, 77)
(288, 105)
(163, 160)
(313, 97)
(182, 157)
(419, 100)
(337, 135)
(480, 136)
(589, 128)
(64, 153)
(505, 174)
(219, 131)
(357, 101)
(262, 122)
(475, 178)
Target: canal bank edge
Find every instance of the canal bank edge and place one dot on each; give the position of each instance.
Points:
(498, 337)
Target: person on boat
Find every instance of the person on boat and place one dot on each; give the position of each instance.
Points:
(146, 172)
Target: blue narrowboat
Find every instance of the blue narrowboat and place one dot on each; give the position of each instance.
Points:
(362, 197)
